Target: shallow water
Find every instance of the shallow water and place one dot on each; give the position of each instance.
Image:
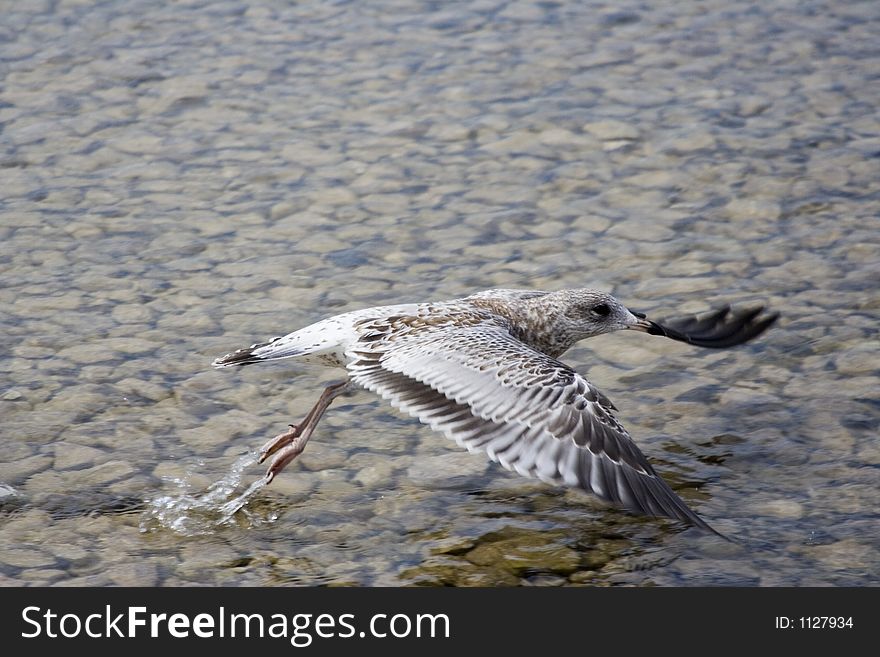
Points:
(183, 180)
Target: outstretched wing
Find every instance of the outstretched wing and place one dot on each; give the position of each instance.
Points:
(529, 412)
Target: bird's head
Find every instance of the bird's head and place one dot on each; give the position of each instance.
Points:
(585, 313)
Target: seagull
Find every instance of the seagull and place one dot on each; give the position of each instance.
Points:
(483, 370)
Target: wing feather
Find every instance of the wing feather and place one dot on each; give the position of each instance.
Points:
(488, 391)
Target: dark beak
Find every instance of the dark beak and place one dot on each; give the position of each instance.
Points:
(718, 329)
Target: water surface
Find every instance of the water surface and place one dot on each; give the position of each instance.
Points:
(179, 181)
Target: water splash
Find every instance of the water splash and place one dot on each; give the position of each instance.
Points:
(193, 514)
(10, 498)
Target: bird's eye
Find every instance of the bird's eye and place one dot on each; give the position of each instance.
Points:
(601, 309)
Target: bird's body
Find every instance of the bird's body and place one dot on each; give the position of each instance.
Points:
(483, 370)
(525, 313)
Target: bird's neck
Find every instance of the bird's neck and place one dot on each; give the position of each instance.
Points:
(536, 321)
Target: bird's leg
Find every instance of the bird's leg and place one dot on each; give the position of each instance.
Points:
(283, 439)
(290, 444)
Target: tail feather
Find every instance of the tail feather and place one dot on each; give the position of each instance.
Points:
(244, 356)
